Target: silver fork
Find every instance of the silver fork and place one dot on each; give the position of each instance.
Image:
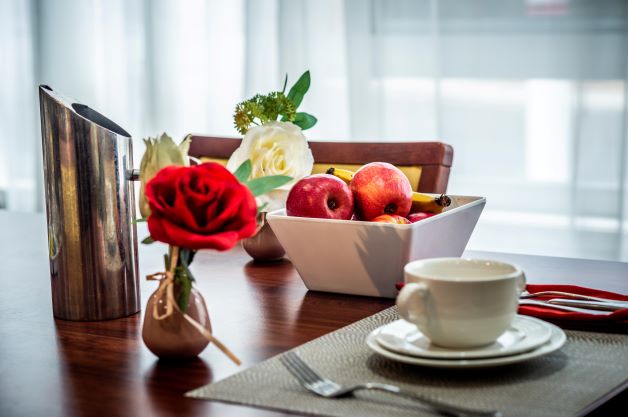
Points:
(525, 294)
(572, 309)
(323, 387)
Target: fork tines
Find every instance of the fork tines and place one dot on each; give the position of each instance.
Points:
(297, 367)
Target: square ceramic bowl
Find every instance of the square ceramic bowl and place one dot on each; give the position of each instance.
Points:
(366, 258)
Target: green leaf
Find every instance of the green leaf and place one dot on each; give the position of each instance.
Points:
(142, 220)
(148, 240)
(298, 90)
(285, 83)
(304, 120)
(262, 185)
(184, 277)
(187, 256)
(185, 285)
(244, 171)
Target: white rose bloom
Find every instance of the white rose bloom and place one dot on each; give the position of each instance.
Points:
(276, 148)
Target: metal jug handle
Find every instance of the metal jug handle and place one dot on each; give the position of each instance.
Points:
(133, 175)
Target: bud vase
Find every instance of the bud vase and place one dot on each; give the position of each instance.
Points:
(173, 337)
(263, 246)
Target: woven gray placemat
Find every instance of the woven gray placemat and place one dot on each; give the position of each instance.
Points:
(562, 383)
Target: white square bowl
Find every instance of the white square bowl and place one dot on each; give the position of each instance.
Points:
(366, 258)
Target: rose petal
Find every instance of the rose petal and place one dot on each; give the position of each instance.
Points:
(199, 207)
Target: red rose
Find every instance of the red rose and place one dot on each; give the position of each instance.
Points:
(200, 207)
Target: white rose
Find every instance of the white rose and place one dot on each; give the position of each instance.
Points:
(276, 148)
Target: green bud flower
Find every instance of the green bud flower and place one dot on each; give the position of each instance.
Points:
(160, 152)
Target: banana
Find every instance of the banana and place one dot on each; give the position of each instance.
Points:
(343, 174)
(430, 204)
(420, 201)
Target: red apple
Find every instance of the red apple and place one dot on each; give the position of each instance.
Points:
(415, 217)
(380, 188)
(391, 218)
(322, 196)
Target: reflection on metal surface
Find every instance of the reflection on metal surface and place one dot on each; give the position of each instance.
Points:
(90, 211)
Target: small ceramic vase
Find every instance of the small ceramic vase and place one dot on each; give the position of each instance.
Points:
(174, 338)
(263, 246)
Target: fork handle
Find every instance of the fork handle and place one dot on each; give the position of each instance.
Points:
(526, 295)
(437, 406)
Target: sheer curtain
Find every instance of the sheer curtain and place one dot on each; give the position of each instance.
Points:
(531, 93)
(19, 162)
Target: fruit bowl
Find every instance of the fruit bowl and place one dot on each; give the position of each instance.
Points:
(367, 258)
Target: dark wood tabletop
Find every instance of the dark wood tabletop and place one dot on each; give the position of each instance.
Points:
(60, 368)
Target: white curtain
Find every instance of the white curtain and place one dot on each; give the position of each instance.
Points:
(531, 93)
(19, 162)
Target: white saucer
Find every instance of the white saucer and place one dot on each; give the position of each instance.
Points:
(524, 334)
(557, 339)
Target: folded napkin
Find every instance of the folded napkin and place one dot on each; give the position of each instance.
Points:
(554, 314)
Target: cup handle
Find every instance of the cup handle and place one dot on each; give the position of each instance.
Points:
(521, 283)
(411, 303)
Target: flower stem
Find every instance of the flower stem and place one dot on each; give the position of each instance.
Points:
(174, 258)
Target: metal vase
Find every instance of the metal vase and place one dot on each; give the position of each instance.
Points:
(90, 209)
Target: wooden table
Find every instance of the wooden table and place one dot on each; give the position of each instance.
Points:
(59, 368)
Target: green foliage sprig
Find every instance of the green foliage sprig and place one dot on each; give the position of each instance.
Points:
(262, 109)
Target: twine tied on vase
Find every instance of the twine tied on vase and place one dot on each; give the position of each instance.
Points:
(166, 285)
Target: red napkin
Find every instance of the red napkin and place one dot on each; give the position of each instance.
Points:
(548, 313)
(553, 314)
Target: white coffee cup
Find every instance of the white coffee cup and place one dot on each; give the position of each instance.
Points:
(460, 303)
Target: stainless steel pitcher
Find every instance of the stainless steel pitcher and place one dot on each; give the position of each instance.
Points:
(90, 207)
